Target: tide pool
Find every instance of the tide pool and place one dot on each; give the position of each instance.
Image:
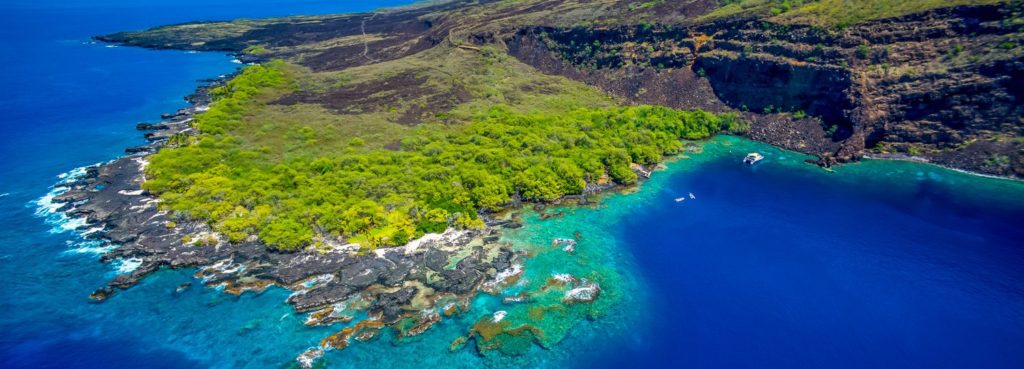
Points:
(880, 264)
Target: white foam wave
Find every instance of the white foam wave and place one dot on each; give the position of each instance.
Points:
(72, 174)
(498, 316)
(296, 294)
(88, 247)
(226, 266)
(70, 224)
(126, 266)
(504, 276)
(45, 205)
(307, 358)
(515, 270)
(48, 209)
(563, 277)
(318, 280)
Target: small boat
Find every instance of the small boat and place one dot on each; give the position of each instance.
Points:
(753, 158)
(680, 199)
(692, 197)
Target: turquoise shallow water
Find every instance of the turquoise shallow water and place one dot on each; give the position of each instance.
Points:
(67, 103)
(782, 265)
(880, 264)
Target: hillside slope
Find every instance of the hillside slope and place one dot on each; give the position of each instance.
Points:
(370, 157)
(938, 81)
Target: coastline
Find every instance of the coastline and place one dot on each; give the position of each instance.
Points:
(314, 282)
(437, 275)
(408, 288)
(917, 261)
(923, 160)
(105, 201)
(550, 258)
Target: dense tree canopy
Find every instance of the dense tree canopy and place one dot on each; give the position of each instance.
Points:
(441, 176)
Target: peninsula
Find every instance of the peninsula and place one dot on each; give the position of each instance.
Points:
(369, 162)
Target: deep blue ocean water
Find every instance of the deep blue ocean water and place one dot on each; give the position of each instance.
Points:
(881, 265)
(66, 103)
(780, 265)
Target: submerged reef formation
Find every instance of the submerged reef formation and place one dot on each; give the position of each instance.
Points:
(407, 289)
(548, 306)
(369, 162)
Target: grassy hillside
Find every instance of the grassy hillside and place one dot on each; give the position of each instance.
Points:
(293, 180)
(831, 13)
(843, 13)
(376, 128)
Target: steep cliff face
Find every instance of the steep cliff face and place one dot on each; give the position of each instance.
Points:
(942, 85)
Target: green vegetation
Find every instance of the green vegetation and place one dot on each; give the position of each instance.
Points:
(440, 176)
(255, 50)
(748, 7)
(844, 13)
(863, 51)
(191, 34)
(954, 51)
(645, 5)
(831, 13)
(485, 78)
(830, 131)
(998, 161)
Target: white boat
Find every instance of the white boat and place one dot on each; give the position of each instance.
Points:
(680, 199)
(753, 158)
(692, 197)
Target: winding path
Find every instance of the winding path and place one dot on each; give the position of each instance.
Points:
(366, 44)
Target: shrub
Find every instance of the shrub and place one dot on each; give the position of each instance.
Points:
(443, 176)
(255, 50)
(863, 51)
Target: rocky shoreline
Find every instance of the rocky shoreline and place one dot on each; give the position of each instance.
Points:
(407, 288)
(940, 164)
(415, 284)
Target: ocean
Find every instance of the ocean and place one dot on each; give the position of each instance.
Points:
(879, 264)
